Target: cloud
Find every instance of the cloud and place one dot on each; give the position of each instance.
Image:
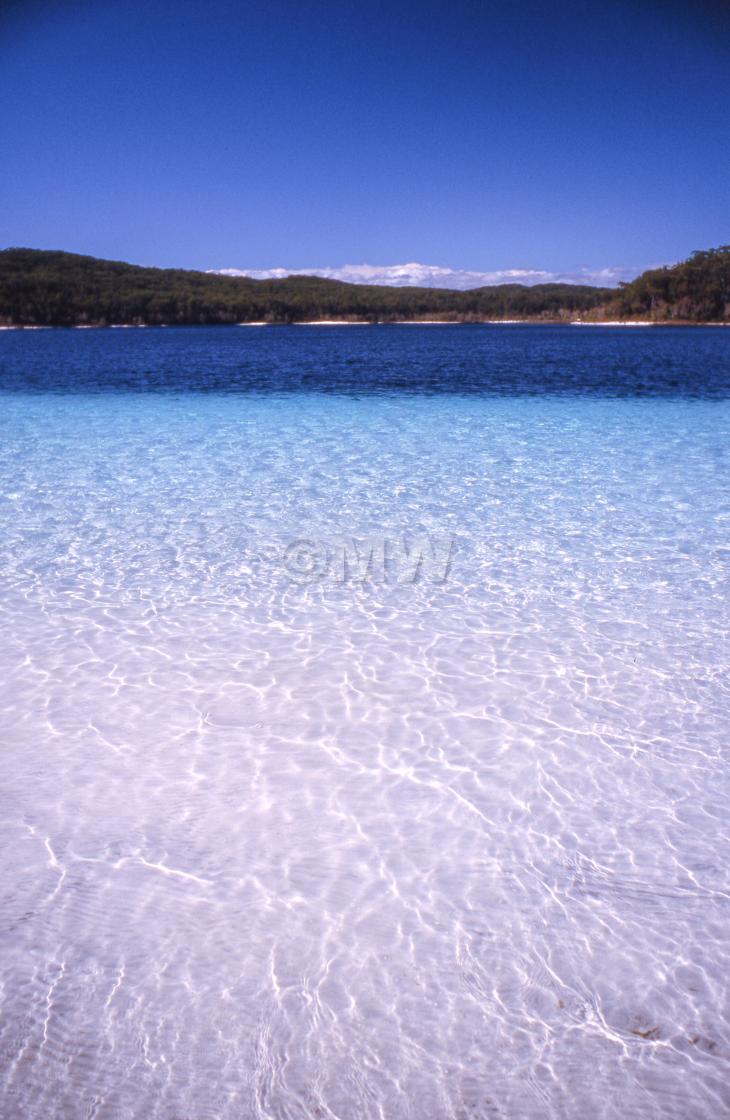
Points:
(434, 276)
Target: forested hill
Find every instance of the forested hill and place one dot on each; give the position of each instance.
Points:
(697, 289)
(39, 287)
(48, 288)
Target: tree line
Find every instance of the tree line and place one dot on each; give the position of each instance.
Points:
(49, 288)
(695, 290)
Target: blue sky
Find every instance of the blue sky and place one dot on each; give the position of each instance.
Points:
(476, 136)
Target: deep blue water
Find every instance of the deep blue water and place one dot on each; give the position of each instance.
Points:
(294, 827)
(607, 361)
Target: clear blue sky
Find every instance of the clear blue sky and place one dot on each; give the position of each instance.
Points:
(477, 135)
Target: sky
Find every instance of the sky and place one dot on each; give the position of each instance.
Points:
(564, 139)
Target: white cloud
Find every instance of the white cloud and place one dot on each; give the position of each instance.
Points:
(434, 276)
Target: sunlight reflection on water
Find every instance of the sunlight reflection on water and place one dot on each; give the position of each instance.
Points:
(364, 848)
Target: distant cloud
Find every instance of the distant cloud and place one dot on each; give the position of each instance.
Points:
(433, 276)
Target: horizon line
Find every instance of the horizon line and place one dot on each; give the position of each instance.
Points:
(417, 275)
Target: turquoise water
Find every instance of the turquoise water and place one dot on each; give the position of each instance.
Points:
(287, 839)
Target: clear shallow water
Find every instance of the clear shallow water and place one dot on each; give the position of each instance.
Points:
(364, 849)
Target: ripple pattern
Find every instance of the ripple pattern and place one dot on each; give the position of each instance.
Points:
(364, 850)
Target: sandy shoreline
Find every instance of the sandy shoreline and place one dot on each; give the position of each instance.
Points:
(614, 323)
(380, 323)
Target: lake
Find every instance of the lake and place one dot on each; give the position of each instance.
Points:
(366, 701)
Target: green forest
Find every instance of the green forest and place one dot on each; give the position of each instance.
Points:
(50, 288)
(696, 290)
